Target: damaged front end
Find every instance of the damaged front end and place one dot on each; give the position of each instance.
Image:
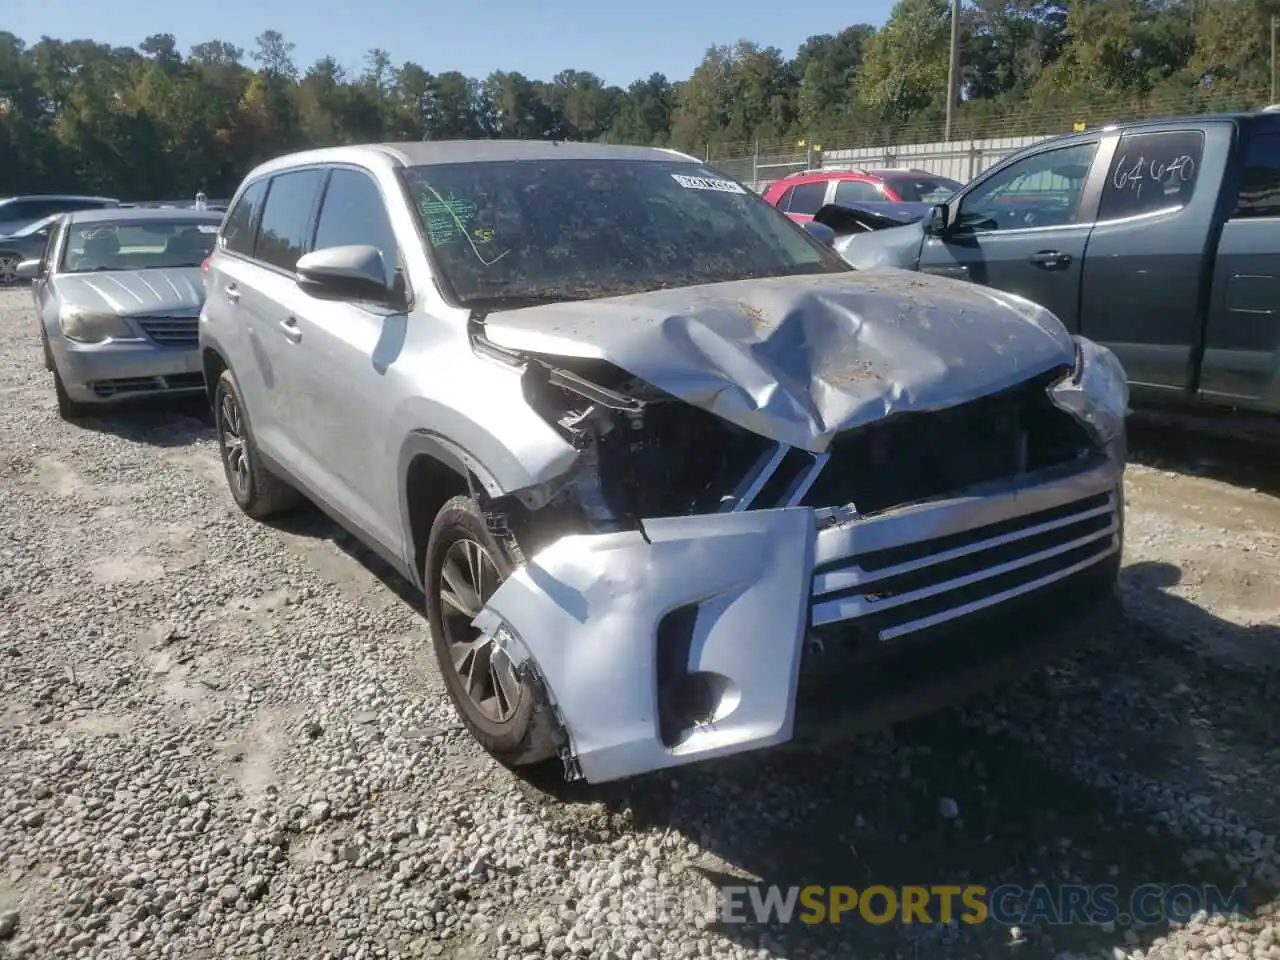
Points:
(683, 579)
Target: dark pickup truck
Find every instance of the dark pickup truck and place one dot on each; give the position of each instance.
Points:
(1159, 238)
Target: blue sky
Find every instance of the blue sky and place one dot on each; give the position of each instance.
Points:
(620, 42)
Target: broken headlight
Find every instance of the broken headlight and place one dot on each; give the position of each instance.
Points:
(643, 453)
(1096, 392)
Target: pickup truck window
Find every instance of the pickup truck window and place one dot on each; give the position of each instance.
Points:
(1260, 182)
(1042, 190)
(1152, 171)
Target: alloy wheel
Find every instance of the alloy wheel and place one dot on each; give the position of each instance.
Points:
(232, 437)
(468, 578)
(8, 270)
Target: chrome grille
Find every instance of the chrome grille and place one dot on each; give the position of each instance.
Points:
(171, 331)
(898, 590)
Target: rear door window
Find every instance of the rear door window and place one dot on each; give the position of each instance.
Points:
(1150, 172)
(286, 217)
(858, 191)
(1260, 181)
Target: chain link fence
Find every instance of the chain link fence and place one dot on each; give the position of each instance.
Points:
(977, 138)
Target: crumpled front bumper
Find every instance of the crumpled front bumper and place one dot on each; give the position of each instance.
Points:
(599, 616)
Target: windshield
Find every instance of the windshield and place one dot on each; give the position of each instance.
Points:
(531, 231)
(923, 189)
(137, 245)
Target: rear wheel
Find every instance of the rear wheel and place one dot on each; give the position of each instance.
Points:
(9, 269)
(255, 489)
(464, 566)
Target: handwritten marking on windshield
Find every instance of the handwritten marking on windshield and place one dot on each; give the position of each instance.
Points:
(444, 218)
(448, 219)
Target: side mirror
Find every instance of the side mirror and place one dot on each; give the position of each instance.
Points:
(820, 232)
(938, 220)
(345, 273)
(28, 270)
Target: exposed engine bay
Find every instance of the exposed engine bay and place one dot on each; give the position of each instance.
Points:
(644, 453)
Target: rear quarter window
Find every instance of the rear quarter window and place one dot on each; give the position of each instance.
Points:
(805, 198)
(238, 228)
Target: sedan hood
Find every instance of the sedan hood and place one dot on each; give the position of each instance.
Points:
(799, 359)
(128, 292)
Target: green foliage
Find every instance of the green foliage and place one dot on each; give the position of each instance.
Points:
(151, 122)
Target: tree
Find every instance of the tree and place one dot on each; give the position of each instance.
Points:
(905, 65)
(147, 121)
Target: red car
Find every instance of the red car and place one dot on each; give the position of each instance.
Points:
(801, 195)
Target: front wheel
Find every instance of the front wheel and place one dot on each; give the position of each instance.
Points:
(68, 409)
(503, 709)
(255, 489)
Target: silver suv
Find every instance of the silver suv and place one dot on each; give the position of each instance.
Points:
(675, 480)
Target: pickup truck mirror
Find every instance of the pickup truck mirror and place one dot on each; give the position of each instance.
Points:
(29, 270)
(938, 220)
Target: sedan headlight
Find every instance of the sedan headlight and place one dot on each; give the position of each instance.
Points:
(86, 326)
(1097, 392)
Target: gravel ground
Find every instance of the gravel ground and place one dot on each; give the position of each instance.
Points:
(219, 738)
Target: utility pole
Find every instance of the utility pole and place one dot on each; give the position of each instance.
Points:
(1273, 59)
(953, 76)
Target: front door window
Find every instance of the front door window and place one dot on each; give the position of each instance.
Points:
(1043, 190)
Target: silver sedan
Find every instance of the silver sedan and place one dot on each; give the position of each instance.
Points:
(118, 293)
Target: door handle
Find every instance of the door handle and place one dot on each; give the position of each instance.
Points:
(231, 293)
(290, 327)
(1050, 259)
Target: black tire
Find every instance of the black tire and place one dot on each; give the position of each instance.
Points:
(255, 489)
(524, 737)
(11, 261)
(68, 409)
(44, 345)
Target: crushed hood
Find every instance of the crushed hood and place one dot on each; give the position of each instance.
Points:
(128, 292)
(799, 359)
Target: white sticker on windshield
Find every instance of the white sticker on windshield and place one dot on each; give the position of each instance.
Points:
(206, 228)
(707, 183)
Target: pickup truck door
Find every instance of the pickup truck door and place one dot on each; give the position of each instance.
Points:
(1242, 337)
(1146, 270)
(1024, 227)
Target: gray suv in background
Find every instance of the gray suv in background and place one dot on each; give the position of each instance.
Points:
(17, 212)
(672, 476)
